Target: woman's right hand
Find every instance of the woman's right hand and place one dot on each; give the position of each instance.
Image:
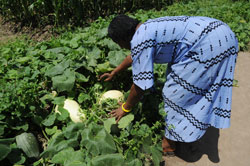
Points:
(107, 76)
(124, 65)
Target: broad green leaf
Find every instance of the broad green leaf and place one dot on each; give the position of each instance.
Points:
(62, 156)
(60, 56)
(6, 50)
(93, 56)
(108, 160)
(23, 59)
(57, 50)
(64, 82)
(108, 123)
(92, 62)
(57, 144)
(156, 155)
(102, 32)
(81, 78)
(3, 62)
(144, 128)
(4, 151)
(49, 121)
(97, 140)
(72, 130)
(64, 114)
(95, 53)
(83, 97)
(52, 145)
(146, 148)
(58, 69)
(125, 121)
(12, 74)
(33, 53)
(135, 162)
(103, 67)
(111, 45)
(74, 43)
(65, 42)
(91, 40)
(51, 131)
(46, 97)
(7, 141)
(116, 57)
(75, 163)
(68, 156)
(5, 147)
(59, 100)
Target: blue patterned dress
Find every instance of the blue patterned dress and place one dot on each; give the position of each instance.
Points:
(201, 53)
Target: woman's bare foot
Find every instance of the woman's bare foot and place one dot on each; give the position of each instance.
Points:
(168, 145)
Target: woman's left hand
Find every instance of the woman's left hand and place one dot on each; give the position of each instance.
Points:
(133, 98)
(118, 113)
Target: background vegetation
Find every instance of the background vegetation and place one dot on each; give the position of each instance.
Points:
(76, 12)
(70, 64)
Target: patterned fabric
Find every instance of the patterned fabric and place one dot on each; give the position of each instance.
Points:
(201, 53)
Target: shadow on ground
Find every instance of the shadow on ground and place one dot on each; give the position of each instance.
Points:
(208, 144)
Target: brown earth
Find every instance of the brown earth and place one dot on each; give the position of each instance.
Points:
(10, 31)
(5, 33)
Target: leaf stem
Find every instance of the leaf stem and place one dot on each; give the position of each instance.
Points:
(44, 134)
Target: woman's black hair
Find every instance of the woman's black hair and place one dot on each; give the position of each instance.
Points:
(122, 28)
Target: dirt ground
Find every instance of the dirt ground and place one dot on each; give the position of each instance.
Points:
(5, 33)
(7, 30)
(224, 147)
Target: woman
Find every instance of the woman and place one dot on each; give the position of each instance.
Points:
(201, 54)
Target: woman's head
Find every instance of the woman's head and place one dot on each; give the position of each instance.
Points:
(121, 30)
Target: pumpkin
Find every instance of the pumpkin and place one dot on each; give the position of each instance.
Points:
(112, 94)
(75, 112)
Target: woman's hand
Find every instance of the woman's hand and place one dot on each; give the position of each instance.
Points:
(108, 76)
(118, 113)
(133, 98)
(124, 65)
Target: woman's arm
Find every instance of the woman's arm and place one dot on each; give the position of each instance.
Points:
(133, 98)
(124, 65)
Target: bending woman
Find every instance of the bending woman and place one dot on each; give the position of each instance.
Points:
(201, 54)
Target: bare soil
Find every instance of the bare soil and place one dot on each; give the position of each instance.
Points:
(10, 31)
(5, 32)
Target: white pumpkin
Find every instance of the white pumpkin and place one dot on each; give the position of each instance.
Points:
(75, 112)
(113, 94)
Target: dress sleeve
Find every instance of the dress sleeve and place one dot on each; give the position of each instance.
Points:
(142, 66)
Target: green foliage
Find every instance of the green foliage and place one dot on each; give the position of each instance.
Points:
(77, 12)
(70, 65)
